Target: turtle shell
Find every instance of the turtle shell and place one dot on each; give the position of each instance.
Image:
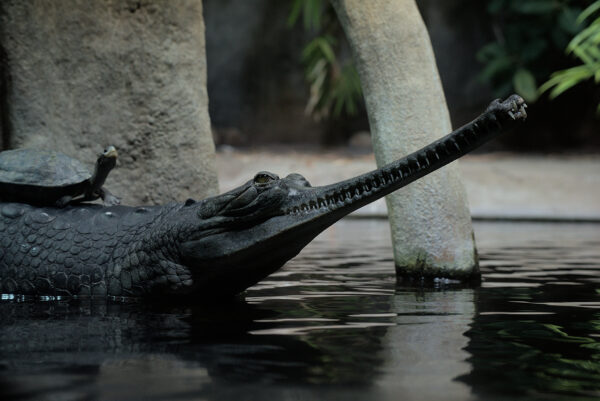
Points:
(41, 168)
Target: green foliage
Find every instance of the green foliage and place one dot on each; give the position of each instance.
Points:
(530, 36)
(311, 12)
(334, 84)
(585, 46)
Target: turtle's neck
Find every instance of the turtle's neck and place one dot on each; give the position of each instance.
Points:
(103, 167)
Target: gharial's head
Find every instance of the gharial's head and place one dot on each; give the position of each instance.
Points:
(247, 233)
(261, 197)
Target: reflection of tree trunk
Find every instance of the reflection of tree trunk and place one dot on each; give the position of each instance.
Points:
(431, 224)
(424, 350)
(85, 74)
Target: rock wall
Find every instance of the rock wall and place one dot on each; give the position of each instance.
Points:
(255, 74)
(85, 74)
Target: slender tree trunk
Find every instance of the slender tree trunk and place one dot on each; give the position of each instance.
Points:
(86, 74)
(430, 219)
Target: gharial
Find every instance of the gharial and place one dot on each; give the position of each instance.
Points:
(217, 246)
(50, 178)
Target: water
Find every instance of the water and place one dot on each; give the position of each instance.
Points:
(335, 324)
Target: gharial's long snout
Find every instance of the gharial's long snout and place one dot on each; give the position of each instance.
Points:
(347, 196)
(296, 212)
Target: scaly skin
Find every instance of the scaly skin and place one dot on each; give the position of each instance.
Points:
(89, 250)
(217, 246)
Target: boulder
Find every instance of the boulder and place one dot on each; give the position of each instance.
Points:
(85, 74)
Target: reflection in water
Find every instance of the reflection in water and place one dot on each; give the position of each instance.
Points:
(122, 351)
(334, 324)
(425, 346)
(537, 328)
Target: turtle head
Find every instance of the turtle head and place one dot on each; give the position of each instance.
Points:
(106, 161)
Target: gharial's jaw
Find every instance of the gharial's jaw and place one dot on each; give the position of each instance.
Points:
(283, 215)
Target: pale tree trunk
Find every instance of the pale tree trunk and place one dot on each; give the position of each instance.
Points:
(430, 220)
(85, 74)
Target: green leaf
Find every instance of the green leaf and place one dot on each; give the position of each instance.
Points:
(317, 71)
(590, 36)
(562, 87)
(312, 14)
(585, 14)
(566, 79)
(309, 50)
(294, 13)
(525, 85)
(590, 56)
(326, 49)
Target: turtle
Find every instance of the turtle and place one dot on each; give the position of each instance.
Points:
(51, 178)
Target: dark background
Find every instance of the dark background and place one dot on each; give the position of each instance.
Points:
(258, 94)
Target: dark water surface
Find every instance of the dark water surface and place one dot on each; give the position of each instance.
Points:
(335, 324)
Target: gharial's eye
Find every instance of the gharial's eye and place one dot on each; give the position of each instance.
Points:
(264, 177)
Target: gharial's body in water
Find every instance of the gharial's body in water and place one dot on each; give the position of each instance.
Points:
(220, 245)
